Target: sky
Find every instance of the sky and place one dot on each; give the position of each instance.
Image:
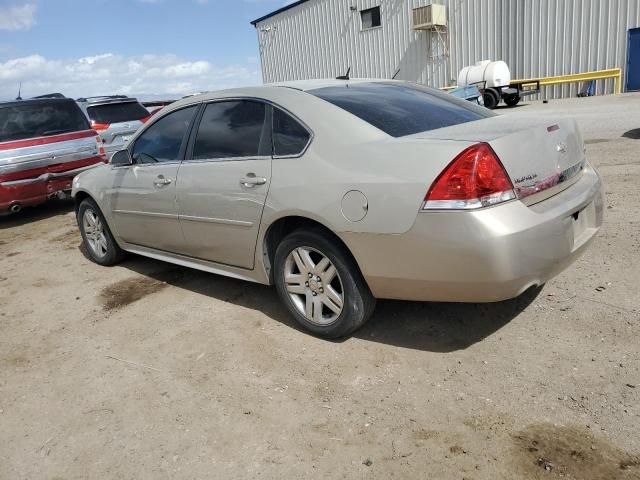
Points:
(149, 48)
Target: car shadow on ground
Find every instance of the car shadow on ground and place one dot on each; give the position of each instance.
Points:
(632, 134)
(507, 107)
(28, 215)
(434, 327)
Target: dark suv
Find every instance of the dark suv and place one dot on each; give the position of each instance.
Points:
(115, 117)
(44, 143)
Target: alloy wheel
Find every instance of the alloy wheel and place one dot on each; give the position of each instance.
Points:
(314, 285)
(94, 233)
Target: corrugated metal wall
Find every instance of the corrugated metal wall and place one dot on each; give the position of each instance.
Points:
(322, 38)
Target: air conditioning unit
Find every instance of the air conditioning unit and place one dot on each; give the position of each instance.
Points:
(430, 17)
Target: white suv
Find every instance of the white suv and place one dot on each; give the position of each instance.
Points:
(115, 117)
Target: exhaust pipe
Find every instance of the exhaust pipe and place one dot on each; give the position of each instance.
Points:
(64, 195)
(15, 208)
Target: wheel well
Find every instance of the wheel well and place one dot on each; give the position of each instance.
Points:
(283, 227)
(80, 196)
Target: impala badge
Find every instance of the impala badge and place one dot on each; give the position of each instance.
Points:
(562, 147)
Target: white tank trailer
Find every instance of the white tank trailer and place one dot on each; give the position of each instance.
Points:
(493, 79)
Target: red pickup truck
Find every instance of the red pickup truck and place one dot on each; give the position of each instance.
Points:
(44, 143)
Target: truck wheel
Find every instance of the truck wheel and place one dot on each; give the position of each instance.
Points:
(511, 100)
(491, 98)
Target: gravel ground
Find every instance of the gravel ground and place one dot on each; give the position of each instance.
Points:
(146, 370)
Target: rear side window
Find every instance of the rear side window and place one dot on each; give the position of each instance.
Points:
(232, 129)
(117, 112)
(401, 109)
(40, 119)
(162, 141)
(289, 137)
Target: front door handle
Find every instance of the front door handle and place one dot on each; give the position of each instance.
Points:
(251, 180)
(161, 181)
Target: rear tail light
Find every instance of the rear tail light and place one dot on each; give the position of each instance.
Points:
(101, 151)
(145, 119)
(474, 179)
(99, 126)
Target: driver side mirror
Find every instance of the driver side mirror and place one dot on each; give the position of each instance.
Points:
(121, 158)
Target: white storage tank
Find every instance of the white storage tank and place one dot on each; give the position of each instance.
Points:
(496, 74)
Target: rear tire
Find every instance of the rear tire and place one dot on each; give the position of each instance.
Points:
(491, 98)
(321, 285)
(511, 100)
(97, 239)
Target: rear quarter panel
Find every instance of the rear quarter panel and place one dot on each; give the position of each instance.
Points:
(394, 176)
(348, 154)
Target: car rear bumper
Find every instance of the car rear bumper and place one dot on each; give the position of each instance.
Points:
(31, 188)
(487, 255)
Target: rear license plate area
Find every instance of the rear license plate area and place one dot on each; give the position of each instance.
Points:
(583, 221)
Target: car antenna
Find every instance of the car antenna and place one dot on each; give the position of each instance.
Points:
(345, 76)
(19, 97)
(395, 74)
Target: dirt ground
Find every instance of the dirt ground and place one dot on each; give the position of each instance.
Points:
(148, 371)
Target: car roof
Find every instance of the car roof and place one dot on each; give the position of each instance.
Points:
(36, 101)
(300, 85)
(267, 90)
(306, 85)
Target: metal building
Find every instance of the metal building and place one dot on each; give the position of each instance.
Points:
(378, 38)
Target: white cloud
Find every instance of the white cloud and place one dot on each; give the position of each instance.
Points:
(17, 17)
(116, 74)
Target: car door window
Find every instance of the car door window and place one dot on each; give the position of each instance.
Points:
(162, 141)
(289, 137)
(232, 129)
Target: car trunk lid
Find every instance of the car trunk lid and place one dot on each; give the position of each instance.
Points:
(119, 133)
(542, 158)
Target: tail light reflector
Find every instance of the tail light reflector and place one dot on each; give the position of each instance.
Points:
(476, 178)
(145, 119)
(99, 126)
(101, 151)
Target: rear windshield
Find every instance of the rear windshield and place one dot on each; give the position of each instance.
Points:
(401, 109)
(117, 112)
(40, 119)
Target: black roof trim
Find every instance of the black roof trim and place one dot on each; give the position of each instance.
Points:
(50, 95)
(280, 10)
(36, 101)
(106, 99)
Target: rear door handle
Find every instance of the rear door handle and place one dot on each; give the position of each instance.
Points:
(251, 180)
(161, 181)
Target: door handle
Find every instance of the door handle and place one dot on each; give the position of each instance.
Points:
(162, 182)
(251, 180)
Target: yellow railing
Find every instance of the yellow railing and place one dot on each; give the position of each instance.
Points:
(615, 73)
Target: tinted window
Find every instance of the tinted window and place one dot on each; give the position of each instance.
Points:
(231, 130)
(370, 18)
(161, 142)
(117, 112)
(289, 137)
(40, 119)
(401, 109)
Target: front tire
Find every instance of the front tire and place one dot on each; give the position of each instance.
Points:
(321, 285)
(98, 241)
